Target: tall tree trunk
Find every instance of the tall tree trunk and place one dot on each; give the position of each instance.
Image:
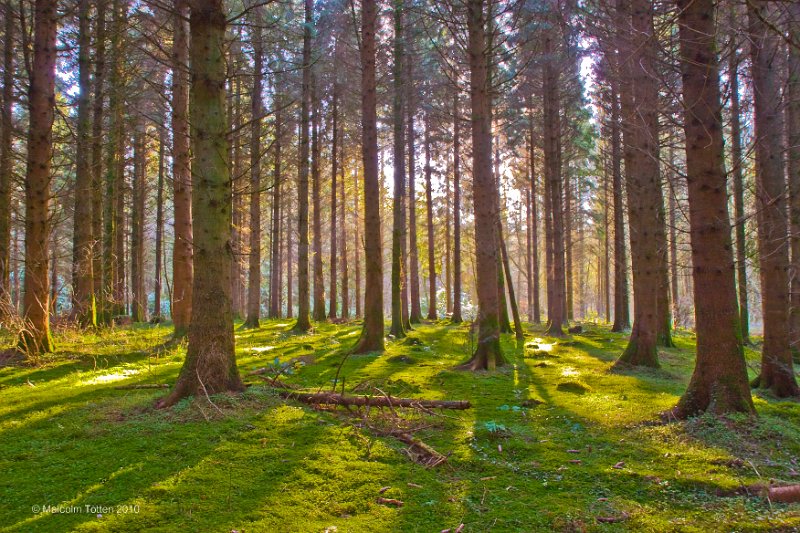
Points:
(275, 243)
(113, 274)
(448, 274)
(162, 139)
(777, 373)
(738, 191)
(83, 300)
(429, 223)
(256, 111)
(519, 333)
(606, 247)
(568, 246)
(793, 138)
(334, 297)
(673, 237)
(415, 315)
(622, 320)
(488, 353)
(719, 382)
(398, 327)
(372, 332)
(289, 260)
(316, 179)
(303, 311)
(456, 317)
(502, 302)
(210, 365)
(97, 158)
(241, 183)
(556, 313)
(533, 227)
(182, 268)
(6, 155)
(343, 237)
(139, 296)
(358, 244)
(644, 196)
(36, 338)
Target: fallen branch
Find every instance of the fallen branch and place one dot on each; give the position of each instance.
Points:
(418, 451)
(612, 519)
(332, 398)
(789, 494)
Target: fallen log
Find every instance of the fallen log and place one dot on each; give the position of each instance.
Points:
(332, 398)
(789, 494)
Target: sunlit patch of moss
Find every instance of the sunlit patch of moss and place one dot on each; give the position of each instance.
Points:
(526, 457)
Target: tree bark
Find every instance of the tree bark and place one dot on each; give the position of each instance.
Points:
(97, 161)
(210, 365)
(793, 138)
(456, 317)
(398, 326)
(645, 203)
(334, 297)
(6, 154)
(533, 281)
(303, 311)
(777, 373)
(36, 339)
(622, 320)
(343, 237)
(488, 353)
(358, 244)
(372, 331)
(182, 267)
(415, 313)
(316, 186)
(162, 139)
(275, 242)
(139, 296)
(256, 111)
(429, 221)
(83, 299)
(738, 191)
(556, 313)
(719, 382)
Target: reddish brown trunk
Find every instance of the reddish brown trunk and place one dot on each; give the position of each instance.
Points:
(316, 178)
(41, 108)
(719, 382)
(777, 372)
(556, 313)
(182, 270)
(398, 287)
(429, 221)
(334, 297)
(256, 111)
(210, 365)
(303, 310)
(645, 203)
(372, 332)
(456, 255)
(415, 313)
(6, 154)
(488, 353)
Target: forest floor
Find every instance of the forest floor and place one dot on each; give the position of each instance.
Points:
(555, 441)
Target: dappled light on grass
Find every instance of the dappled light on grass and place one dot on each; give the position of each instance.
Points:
(257, 462)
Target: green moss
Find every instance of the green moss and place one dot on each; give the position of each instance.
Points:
(255, 462)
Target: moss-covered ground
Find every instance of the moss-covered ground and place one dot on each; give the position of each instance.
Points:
(555, 441)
